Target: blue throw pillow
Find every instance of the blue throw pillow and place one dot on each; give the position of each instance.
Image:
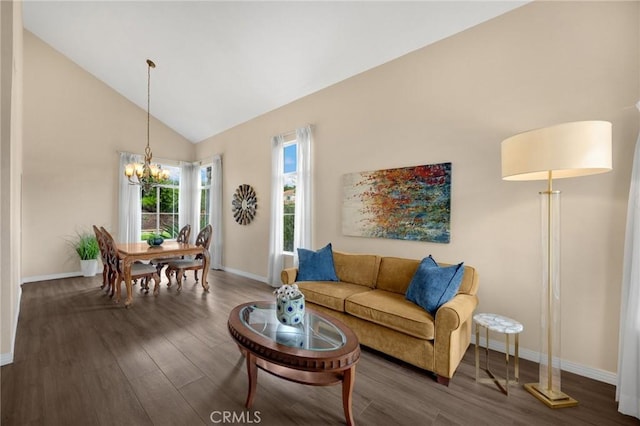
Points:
(316, 265)
(432, 286)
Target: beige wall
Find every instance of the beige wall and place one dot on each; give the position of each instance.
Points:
(74, 126)
(11, 66)
(542, 64)
(545, 63)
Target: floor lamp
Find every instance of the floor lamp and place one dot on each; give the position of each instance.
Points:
(565, 150)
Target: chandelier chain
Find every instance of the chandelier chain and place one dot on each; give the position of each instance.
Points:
(146, 175)
(147, 150)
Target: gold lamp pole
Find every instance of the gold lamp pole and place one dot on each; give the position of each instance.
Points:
(147, 175)
(549, 385)
(565, 150)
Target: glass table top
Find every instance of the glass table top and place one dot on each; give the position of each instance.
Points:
(314, 333)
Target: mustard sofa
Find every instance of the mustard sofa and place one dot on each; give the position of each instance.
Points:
(370, 298)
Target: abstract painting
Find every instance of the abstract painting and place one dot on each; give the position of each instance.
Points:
(409, 203)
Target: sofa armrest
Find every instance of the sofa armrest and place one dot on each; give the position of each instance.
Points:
(455, 312)
(453, 332)
(289, 275)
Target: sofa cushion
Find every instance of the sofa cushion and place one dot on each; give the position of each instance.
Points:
(357, 268)
(469, 284)
(433, 286)
(330, 294)
(391, 310)
(316, 265)
(395, 274)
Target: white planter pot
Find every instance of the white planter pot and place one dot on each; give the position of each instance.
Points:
(89, 267)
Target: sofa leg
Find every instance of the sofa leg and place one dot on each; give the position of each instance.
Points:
(442, 380)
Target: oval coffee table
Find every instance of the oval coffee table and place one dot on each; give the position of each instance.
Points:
(321, 351)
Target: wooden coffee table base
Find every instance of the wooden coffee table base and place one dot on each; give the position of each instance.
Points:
(314, 378)
(329, 366)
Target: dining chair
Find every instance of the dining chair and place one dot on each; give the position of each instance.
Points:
(103, 255)
(183, 237)
(180, 266)
(139, 270)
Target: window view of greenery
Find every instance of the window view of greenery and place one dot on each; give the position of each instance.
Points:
(205, 195)
(160, 207)
(289, 195)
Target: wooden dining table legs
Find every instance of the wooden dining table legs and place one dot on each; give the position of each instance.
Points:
(132, 252)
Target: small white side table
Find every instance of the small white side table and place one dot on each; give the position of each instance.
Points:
(499, 324)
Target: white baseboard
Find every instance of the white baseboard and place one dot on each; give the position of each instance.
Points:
(246, 274)
(571, 367)
(37, 278)
(7, 358)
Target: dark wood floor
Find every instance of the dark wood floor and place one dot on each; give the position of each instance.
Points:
(81, 360)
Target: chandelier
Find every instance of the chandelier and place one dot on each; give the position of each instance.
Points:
(147, 175)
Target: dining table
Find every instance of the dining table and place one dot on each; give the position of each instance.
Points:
(132, 252)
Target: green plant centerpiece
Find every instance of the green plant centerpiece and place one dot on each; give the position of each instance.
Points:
(87, 248)
(155, 240)
(289, 304)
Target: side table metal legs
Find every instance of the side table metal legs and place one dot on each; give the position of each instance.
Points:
(503, 384)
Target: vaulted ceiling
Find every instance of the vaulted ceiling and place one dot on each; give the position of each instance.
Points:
(221, 63)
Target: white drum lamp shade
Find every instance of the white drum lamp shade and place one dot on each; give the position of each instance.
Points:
(573, 149)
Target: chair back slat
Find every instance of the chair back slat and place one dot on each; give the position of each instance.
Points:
(184, 234)
(112, 252)
(204, 238)
(101, 243)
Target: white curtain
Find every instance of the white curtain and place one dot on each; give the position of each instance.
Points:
(276, 244)
(189, 197)
(628, 389)
(129, 207)
(302, 220)
(215, 208)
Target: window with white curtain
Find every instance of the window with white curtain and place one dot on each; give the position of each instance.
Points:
(290, 172)
(160, 207)
(205, 194)
(192, 195)
(290, 198)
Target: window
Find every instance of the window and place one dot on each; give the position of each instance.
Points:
(290, 198)
(160, 207)
(290, 172)
(205, 195)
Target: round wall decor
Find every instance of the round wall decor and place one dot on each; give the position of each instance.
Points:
(244, 204)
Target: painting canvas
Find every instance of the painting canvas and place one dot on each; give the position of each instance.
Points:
(409, 203)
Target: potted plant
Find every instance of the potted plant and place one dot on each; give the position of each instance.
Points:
(86, 245)
(289, 304)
